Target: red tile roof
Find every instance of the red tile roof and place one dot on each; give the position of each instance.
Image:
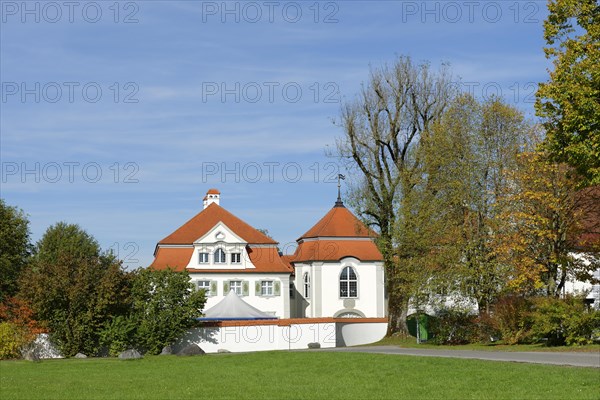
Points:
(206, 219)
(175, 258)
(335, 250)
(340, 222)
(213, 191)
(265, 259)
(287, 259)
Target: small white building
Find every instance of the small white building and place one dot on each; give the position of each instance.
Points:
(336, 271)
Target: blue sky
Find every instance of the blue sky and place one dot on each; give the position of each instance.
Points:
(119, 116)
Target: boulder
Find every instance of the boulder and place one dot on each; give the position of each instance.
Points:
(167, 350)
(314, 345)
(191, 350)
(131, 354)
(43, 348)
(31, 355)
(80, 355)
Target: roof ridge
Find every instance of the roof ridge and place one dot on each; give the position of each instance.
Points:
(269, 239)
(338, 222)
(196, 226)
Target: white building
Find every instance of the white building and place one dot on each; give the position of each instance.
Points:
(336, 270)
(222, 253)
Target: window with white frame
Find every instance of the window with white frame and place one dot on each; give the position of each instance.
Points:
(202, 257)
(348, 283)
(236, 286)
(266, 288)
(236, 258)
(220, 256)
(306, 279)
(204, 285)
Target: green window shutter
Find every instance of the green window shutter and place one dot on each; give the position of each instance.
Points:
(213, 288)
(245, 288)
(225, 288)
(257, 288)
(276, 288)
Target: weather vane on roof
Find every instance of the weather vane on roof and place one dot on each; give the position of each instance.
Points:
(339, 202)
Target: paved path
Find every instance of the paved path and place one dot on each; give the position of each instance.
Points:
(558, 358)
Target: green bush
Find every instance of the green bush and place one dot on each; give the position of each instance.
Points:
(118, 335)
(454, 326)
(583, 328)
(564, 321)
(12, 339)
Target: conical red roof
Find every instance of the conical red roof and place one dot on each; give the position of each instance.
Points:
(339, 222)
(337, 235)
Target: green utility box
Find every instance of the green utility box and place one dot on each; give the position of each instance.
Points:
(420, 322)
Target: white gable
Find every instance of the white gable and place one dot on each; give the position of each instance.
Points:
(220, 248)
(220, 233)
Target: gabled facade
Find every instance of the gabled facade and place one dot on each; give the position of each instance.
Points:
(223, 253)
(336, 270)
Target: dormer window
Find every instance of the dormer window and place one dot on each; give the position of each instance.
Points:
(236, 258)
(220, 256)
(203, 258)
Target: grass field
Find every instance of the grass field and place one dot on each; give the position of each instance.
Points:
(290, 375)
(411, 342)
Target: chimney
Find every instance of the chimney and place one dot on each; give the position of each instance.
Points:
(212, 196)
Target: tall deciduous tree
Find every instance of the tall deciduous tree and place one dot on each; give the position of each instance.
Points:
(74, 288)
(381, 130)
(544, 220)
(64, 239)
(15, 248)
(570, 101)
(464, 159)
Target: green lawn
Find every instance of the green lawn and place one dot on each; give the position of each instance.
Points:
(270, 375)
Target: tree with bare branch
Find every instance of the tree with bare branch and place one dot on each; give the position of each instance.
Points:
(381, 130)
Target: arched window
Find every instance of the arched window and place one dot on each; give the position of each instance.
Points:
(306, 285)
(348, 283)
(219, 256)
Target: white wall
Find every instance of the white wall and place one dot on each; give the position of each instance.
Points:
(325, 298)
(260, 337)
(280, 336)
(278, 305)
(350, 334)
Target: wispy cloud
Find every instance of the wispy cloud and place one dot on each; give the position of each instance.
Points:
(176, 127)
